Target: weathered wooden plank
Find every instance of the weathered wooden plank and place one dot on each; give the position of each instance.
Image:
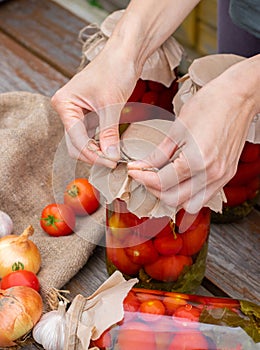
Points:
(45, 28)
(234, 260)
(21, 70)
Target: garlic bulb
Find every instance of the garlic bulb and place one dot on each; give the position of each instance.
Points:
(51, 329)
(6, 224)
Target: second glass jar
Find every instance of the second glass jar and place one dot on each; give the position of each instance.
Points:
(162, 254)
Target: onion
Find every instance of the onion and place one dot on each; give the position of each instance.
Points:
(14, 248)
(20, 309)
(6, 224)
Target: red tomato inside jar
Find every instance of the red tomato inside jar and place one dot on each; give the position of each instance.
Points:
(243, 189)
(163, 255)
(145, 93)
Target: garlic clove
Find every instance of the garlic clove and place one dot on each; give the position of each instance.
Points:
(6, 224)
(51, 329)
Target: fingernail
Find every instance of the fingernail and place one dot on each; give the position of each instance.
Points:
(113, 152)
(134, 164)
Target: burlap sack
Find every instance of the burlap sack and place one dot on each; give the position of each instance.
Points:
(35, 168)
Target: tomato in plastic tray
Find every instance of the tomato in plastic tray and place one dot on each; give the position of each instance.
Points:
(156, 320)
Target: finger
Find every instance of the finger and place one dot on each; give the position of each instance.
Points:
(91, 122)
(203, 197)
(73, 151)
(80, 140)
(109, 131)
(159, 157)
(170, 175)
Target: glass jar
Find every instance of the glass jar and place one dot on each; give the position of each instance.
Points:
(148, 92)
(242, 190)
(162, 254)
(156, 320)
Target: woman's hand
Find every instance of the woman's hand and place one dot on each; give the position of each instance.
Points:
(201, 153)
(107, 82)
(101, 88)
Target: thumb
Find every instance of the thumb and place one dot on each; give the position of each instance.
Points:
(109, 131)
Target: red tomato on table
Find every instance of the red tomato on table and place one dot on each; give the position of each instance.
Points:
(20, 278)
(82, 197)
(58, 220)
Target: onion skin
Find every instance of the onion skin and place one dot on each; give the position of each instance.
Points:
(19, 248)
(20, 309)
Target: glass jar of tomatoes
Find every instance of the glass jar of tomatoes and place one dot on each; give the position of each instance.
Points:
(163, 255)
(156, 320)
(242, 190)
(149, 93)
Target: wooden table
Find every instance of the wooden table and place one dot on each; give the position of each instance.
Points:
(40, 51)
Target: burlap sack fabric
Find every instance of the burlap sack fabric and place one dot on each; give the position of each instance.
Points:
(35, 168)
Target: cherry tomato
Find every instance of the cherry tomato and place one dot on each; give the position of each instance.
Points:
(143, 253)
(172, 304)
(20, 278)
(82, 197)
(138, 91)
(253, 187)
(118, 227)
(245, 173)
(235, 195)
(188, 340)
(104, 341)
(165, 100)
(191, 221)
(167, 230)
(250, 153)
(133, 112)
(121, 261)
(152, 307)
(153, 226)
(150, 97)
(188, 312)
(58, 220)
(193, 240)
(156, 86)
(131, 302)
(168, 245)
(137, 336)
(168, 268)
